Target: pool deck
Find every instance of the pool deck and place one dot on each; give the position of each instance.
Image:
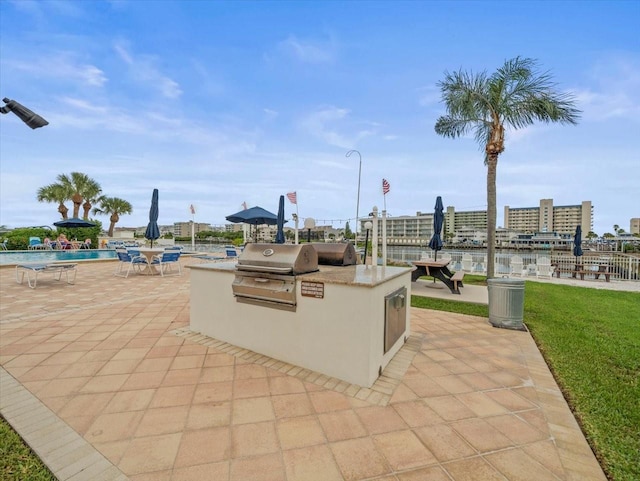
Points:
(105, 382)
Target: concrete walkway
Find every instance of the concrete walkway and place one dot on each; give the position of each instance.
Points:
(105, 382)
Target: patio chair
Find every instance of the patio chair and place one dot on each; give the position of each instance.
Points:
(467, 263)
(3, 245)
(166, 260)
(516, 266)
(130, 261)
(35, 243)
(544, 267)
(231, 253)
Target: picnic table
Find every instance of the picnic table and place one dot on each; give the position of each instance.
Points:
(438, 269)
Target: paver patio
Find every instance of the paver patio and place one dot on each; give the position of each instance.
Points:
(103, 381)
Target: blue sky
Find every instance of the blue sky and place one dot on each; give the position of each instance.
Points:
(220, 103)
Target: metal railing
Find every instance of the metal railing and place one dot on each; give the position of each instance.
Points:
(620, 266)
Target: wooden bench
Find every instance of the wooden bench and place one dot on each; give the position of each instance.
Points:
(558, 269)
(457, 280)
(602, 270)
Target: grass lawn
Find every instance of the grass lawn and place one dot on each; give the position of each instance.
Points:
(590, 339)
(17, 461)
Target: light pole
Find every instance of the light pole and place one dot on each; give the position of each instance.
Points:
(30, 118)
(355, 239)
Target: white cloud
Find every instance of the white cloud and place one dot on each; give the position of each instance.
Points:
(308, 51)
(323, 124)
(144, 71)
(615, 91)
(62, 65)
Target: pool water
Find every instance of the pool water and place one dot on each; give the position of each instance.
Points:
(21, 257)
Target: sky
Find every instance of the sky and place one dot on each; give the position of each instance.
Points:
(221, 103)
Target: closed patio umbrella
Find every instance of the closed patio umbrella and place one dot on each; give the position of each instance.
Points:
(153, 231)
(280, 222)
(577, 243)
(438, 219)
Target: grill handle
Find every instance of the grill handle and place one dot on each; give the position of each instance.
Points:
(262, 280)
(247, 267)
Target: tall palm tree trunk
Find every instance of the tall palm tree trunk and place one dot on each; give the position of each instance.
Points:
(63, 210)
(492, 164)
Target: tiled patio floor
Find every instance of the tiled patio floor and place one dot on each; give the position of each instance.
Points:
(97, 378)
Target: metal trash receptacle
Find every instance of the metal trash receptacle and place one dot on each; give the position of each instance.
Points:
(506, 303)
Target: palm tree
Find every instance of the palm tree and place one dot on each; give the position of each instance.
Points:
(82, 188)
(91, 194)
(112, 206)
(55, 193)
(515, 95)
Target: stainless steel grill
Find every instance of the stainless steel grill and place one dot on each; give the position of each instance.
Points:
(335, 254)
(266, 273)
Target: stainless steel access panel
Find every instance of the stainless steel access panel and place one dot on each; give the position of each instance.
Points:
(395, 317)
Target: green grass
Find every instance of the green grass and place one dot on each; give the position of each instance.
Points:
(17, 461)
(590, 338)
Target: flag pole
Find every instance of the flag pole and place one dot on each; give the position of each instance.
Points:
(193, 228)
(293, 198)
(296, 221)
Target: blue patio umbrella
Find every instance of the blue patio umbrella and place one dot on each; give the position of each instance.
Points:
(254, 216)
(438, 219)
(153, 232)
(577, 242)
(74, 222)
(280, 222)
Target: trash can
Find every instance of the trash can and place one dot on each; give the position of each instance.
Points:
(506, 303)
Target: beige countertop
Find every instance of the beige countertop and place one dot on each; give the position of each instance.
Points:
(359, 275)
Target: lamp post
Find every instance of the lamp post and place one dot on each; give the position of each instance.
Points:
(367, 225)
(309, 223)
(355, 239)
(30, 118)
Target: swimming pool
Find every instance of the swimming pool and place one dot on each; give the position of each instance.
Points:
(20, 257)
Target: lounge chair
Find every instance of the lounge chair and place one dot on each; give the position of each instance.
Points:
(516, 266)
(3, 245)
(231, 253)
(166, 260)
(467, 262)
(35, 243)
(544, 267)
(131, 261)
(32, 271)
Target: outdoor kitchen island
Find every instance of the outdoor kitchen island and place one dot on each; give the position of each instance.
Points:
(348, 321)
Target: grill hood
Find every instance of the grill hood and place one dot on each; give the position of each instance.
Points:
(278, 258)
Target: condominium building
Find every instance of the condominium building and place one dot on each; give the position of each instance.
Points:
(634, 225)
(455, 222)
(183, 229)
(562, 219)
(403, 230)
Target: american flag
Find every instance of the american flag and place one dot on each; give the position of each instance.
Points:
(385, 186)
(293, 197)
(192, 209)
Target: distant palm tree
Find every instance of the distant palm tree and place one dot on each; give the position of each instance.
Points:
(112, 206)
(515, 95)
(55, 193)
(83, 189)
